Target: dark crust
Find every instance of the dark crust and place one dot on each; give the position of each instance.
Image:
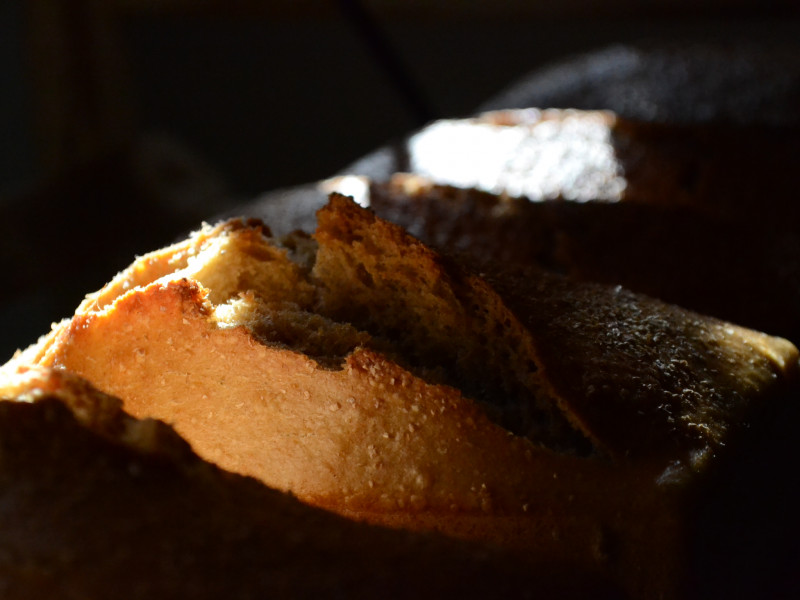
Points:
(648, 379)
(674, 253)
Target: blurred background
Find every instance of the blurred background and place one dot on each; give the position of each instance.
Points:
(127, 122)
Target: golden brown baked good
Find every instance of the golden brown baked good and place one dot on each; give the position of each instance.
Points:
(674, 253)
(372, 376)
(96, 504)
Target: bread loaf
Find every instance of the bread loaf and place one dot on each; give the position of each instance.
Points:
(370, 375)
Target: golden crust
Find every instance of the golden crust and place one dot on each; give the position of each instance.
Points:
(329, 436)
(90, 509)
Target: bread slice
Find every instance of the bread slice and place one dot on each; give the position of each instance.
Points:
(367, 374)
(96, 504)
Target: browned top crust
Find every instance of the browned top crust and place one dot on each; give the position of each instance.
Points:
(679, 398)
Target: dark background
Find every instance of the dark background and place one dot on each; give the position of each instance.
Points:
(279, 97)
(125, 124)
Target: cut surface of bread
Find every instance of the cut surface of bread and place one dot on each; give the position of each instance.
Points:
(366, 373)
